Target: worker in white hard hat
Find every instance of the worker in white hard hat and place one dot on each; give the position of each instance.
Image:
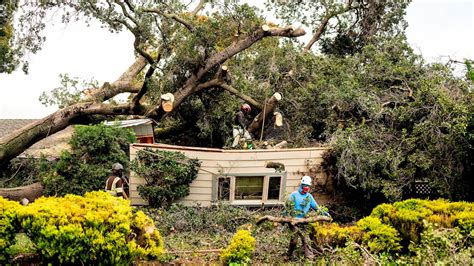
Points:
(303, 200)
(115, 184)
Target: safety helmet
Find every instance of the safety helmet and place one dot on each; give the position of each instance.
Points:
(245, 107)
(306, 180)
(117, 166)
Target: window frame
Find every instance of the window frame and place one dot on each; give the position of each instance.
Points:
(266, 182)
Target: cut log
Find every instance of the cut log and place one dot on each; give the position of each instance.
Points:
(281, 145)
(265, 27)
(269, 108)
(167, 101)
(278, 119)
(30, 192)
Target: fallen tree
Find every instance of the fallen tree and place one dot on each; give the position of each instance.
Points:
(30, 192)
(127, 15)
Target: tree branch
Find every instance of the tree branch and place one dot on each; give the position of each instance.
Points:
(320, 30)
(198, 7)
(245, 43)
(123, 84)
(293, 221)
(144, 89)
(175, 17)
(242, 96)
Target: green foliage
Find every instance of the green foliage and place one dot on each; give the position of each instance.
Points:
(87, 165)
(446, 246)
(404, 225)
(8, 58)
(378, 236)
(240, 249)
(68, 93)
(403, 122)
(167, 175)
(8, 226)
(23, 171)
(82, 230)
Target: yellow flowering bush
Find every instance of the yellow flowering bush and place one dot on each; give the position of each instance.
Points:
(407, 216)
(240, 249)
(8, 226)
(87, 229)
(334, 235)
(392, 226)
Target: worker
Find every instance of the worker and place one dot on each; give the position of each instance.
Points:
(239, 130)
(115, 184)
(301, 202)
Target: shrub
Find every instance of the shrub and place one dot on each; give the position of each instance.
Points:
(240, 249)
(334, 235)
(86, 167)
(391, 227)
(441, 246)
(8, 226)
(167, 175)
(84, 230)
(407, 216)
(378, 236)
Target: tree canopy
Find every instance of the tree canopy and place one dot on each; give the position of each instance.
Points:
(391, 118)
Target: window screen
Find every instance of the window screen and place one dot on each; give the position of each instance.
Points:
(248, 187)
(274, 187)
(223, 188)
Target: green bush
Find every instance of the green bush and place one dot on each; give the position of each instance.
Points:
(441, 246)
(167, 175)
(377, 236)
(86, 167)
(8, 226)
(85, 230)
(391, 227)
(240, 249)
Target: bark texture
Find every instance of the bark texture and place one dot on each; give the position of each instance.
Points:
(30, 192)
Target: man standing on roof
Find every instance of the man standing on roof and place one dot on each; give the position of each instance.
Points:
(115, 184)
(239, 129)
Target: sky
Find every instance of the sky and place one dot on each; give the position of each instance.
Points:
(438, 29)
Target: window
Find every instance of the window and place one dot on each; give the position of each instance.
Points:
(274, 184)
(224, 189)
(248, 189)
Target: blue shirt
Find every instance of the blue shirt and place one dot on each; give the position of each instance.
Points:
(303, 203)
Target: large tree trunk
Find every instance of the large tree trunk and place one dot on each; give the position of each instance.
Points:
(30, 192)
(265, 114)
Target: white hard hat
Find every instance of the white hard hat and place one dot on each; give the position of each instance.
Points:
(306, 180)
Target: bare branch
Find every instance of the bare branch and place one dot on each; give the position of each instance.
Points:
(144, 89)
(175, 17)
(242, 96)
(320, 30)
(125, 12)
(198, 7)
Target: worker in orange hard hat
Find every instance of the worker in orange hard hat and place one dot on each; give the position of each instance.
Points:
(239, 130)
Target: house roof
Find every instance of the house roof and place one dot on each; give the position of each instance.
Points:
(49, 146)
(129, 123)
